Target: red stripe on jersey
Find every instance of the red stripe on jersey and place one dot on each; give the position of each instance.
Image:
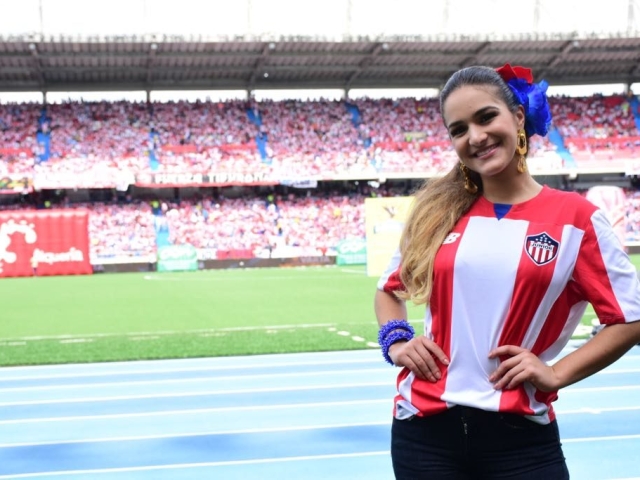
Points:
(393, 283)
(427, 396)
(534, 275)
(551, 330)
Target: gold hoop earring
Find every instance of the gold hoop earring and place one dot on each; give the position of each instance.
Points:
(521, 149)
(469, 185)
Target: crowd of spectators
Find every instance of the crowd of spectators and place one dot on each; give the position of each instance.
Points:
(632, 220)
(304, 224)
(597, 129)
(120, 230)
(301, 138)
(95, 135)
(593, 117)
(202, 137)
(274, 226)
(96, 144)
(17, 137)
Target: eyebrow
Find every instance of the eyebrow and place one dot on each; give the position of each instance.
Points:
(476, 114)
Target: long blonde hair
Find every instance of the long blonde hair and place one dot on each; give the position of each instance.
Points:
(438, 206)
(440, 203)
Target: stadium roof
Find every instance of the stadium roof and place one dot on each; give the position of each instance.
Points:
(195, 63)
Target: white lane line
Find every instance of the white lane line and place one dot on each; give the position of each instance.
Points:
(191, 380)
(200, 434)
(167, 413)
(601, 439)
(618, 371)
(196, 394)
(250, 431)
(175, 466)
(599, 389)
(191, 369)
(254, 408)
(383, 369)
(596, 410)
(258, 391)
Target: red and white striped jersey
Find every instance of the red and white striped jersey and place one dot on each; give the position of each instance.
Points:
(524, 280)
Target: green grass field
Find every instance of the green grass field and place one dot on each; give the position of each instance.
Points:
(133, 316)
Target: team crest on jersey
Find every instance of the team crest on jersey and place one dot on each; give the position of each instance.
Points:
(541, 248)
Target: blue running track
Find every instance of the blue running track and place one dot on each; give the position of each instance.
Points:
(300, 416)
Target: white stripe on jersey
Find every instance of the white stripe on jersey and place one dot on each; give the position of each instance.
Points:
(622, 274)
(482, 289)
(393, 265)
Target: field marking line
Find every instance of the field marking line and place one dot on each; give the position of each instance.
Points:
(253, 408)
(351, 270)
(191, 331)
(176, 332)
(355, 338)
(196, 394)
(225, 463)
(189, 279)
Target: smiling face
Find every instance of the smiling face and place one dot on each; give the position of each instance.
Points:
(483, 130)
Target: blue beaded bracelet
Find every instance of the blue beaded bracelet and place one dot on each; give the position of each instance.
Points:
(392, 332)
(392, 325)
(392, 338)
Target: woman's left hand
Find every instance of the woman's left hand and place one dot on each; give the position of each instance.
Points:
(519, 365)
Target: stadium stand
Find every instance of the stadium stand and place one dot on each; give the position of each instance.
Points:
(279, 178)
(310, 138)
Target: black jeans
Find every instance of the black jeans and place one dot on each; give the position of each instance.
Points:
(470, 444)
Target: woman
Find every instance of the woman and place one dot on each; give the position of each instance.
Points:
(506, 268)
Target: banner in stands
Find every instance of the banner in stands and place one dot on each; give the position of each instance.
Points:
(174, 258)
(384, 221)
(97, 178)
(44, 242)
(16, 183)
(211, 179)
(352, 252)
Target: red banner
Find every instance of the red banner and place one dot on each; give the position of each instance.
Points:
(234, 254)
(44, 242)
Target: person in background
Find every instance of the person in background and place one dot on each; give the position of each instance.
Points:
(505, 267)
(34, 265)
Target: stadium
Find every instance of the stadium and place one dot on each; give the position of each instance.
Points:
(227, 205)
